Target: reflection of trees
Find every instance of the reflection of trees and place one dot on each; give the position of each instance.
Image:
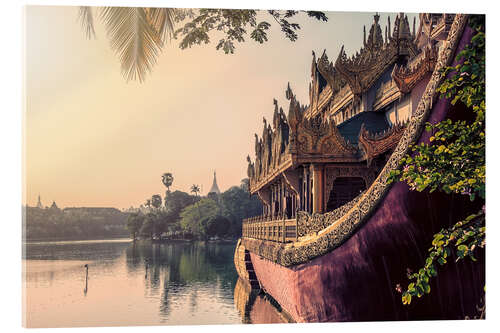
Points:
(184, 266)
(165, 304)
(74, 223)
(100, 251)
(61, 260)
(133, 259)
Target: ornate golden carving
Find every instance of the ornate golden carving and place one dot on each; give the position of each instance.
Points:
(296, 137)
(339, 227)
(361, 70)
(406, 77)
(376, 144)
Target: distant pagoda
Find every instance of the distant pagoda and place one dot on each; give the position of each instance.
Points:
(214, 188)
(54, 206)
(39, 203)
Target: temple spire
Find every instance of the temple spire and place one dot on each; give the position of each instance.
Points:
(39, 203)
(389, 25)
(414, 21)
(214, 188)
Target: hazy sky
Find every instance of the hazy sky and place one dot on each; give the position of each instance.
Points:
(92, 139)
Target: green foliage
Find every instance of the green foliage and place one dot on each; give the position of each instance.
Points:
(176, 201)
(217, 225)
(194, 216)
(188, 216)
(148, 227)
(156, 201)
(167, 179)
(453, 161)
(134, 224)
(462, 240)
(235, 24)
(74, 223)
(238, 204)
(195, 189)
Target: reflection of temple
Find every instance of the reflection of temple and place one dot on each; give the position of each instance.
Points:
(321, 156)
(257, 308)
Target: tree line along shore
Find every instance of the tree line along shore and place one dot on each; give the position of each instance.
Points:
(179, 215)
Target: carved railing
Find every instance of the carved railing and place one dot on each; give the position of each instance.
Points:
(264, 228)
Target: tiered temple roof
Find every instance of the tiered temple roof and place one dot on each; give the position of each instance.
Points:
(361, 70)
(318, 157)
(312, 134)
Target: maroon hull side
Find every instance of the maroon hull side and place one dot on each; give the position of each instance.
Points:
(356, 281)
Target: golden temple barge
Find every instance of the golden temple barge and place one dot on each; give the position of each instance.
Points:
(334, 238)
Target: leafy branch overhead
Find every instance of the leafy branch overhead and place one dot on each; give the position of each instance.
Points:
(234, 24)
(139, 34)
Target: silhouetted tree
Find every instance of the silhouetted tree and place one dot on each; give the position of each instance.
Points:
(156, 201)
(134, 224)
(167, 179)
(195, 189)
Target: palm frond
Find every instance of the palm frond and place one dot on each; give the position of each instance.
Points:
(86, 19)
(162, 20)
(133, 38)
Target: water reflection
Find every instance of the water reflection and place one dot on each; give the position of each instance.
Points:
(187, 269)
(257, 308)
(126, 283)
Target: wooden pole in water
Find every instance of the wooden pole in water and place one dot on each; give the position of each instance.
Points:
(86, 278)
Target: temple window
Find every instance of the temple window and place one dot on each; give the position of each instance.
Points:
(344, 189)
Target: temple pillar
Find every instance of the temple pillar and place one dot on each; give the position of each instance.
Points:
(318, 188)
(305, 192)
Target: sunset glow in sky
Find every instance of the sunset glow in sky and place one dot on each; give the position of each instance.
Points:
(92, 139)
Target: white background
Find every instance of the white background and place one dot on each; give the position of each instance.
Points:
(11, 52)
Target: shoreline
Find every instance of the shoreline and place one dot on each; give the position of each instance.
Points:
(155, 241)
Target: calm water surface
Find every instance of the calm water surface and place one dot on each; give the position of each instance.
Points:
(132, 284)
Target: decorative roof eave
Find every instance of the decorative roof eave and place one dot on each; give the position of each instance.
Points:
(323, 100)
(327, 70)
(361, 76)
(406, 77)
(296, 160)
(311, 141)
(319, 100)
(271, 176)
(320, 136)
(342, 226)
(390, 95)
(374, 145)
(362, 70)
(340, 101)
(442, 27)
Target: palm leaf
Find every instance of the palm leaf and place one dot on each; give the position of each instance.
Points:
(162, 20)
(87, 21)
(133, 38)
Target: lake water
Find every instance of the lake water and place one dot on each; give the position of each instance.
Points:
(136, 284)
